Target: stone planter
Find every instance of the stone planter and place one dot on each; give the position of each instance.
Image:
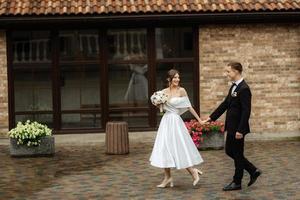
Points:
(46, 148)
(212, 140)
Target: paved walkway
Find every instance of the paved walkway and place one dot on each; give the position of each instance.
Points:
(84, 171)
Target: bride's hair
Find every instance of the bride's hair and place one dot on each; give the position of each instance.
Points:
(170, 75)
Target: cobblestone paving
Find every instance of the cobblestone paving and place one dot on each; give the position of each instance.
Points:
(86, 172)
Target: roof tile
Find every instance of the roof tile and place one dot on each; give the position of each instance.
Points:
(59, 7)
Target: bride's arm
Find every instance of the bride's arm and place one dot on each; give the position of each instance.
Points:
(191, 109)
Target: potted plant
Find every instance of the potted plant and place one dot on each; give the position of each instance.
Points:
(208, 136)
(31, 139)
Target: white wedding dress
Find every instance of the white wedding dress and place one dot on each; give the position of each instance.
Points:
(174, 147)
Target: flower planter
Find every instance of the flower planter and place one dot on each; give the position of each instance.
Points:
(46, 148)
(212, 140)
(206, 136)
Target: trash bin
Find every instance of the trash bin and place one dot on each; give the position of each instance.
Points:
(116, 139)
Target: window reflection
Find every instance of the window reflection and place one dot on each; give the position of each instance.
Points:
(81, 120)
(128, 76)
(32, 70)
(125, 42)
(83, 44)
(80, 78)
(31, 47)
(128, 84)
(174, 42)
(79, 75)
(133, 118)
(137, 90)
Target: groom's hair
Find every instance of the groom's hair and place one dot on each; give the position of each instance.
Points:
(237, 66)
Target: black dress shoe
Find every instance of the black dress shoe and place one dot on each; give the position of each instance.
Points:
(254, 177)
(232, 186)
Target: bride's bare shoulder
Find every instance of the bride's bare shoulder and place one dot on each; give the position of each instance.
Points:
(182, 91)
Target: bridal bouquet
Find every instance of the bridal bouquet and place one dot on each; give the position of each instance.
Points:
(158, 99)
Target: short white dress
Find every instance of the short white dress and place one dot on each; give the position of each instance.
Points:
(174, 147)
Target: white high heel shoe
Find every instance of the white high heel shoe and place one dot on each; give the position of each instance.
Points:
(195, 182)
(164, 184)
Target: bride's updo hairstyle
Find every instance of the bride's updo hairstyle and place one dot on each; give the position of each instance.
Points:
(170, 75)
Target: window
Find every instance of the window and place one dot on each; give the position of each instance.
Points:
(80, 79)
(31, 52)
(174, 49)
(128, 80)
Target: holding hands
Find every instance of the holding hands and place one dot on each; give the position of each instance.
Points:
(201, 122)
(205, 121)
(237, 135)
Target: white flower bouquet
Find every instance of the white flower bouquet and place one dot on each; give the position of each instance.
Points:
(29, 133)
(158, 99)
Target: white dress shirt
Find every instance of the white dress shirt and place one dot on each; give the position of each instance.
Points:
(236, 84)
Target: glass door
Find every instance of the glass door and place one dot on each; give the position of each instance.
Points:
(79, 79)
(128, 76)
(31, 66)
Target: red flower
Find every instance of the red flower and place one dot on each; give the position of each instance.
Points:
(196, 130)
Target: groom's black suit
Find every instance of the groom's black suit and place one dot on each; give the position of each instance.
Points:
(238, 106)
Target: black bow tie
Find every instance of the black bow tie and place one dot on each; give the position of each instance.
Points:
(233, 83)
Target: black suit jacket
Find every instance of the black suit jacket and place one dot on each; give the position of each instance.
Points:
(238, 110)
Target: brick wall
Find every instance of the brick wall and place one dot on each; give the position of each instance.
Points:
(270, 54)
(3, 86)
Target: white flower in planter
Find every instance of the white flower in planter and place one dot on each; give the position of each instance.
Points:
(29, 133)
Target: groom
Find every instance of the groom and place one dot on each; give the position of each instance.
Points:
(238, 106)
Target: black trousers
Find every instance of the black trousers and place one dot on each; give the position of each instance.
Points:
(235, 149)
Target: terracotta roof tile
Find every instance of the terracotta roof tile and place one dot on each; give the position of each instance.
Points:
(60, 7)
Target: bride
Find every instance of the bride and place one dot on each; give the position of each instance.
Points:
(173, 147)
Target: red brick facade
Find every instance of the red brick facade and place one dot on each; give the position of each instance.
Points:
(270, 54)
